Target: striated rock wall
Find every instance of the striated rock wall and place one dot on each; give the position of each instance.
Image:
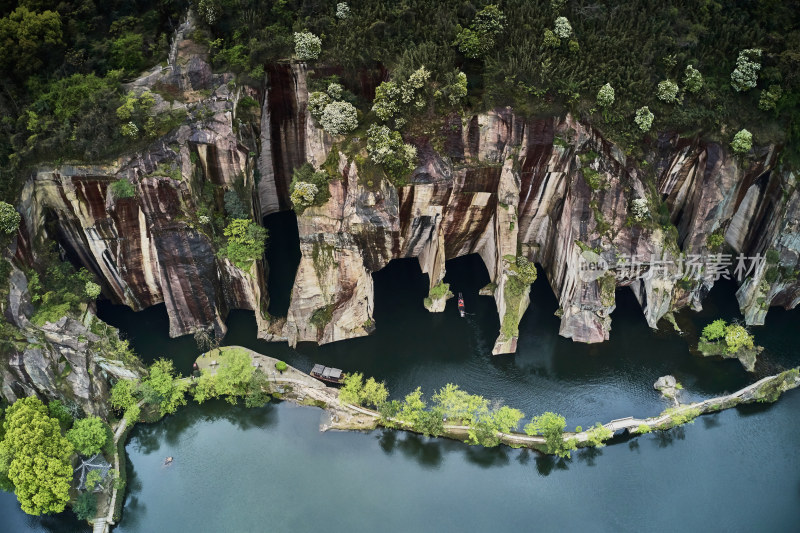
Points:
(161, 244)
(555, 192)
(69, 360)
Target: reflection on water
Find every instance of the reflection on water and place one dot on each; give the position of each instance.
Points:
(285, 473)
(247, 470)
(586, 383)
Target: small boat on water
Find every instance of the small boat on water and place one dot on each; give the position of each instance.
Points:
(461, 305)
(326, 373)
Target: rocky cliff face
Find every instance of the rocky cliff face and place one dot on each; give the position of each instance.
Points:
(551, 191)
(555, 192)
(70, 360)
(159, 245)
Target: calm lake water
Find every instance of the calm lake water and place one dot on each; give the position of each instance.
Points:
(271, 469)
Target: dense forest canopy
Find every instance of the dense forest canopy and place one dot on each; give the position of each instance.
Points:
(704, 67)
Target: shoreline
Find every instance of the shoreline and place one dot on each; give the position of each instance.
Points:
(302, 389)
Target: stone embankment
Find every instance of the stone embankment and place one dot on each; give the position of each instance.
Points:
(299, 387)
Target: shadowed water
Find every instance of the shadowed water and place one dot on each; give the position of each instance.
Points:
(271, 469)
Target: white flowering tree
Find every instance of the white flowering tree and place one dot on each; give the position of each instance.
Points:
(667, 91)
(386, 147)
(639, 209)
(317, 102)
(563, 28)
(307, 45)
(644, 118)
(303, 194)
(605, 96)
(342, 11)
(745, 75)
(339, 118)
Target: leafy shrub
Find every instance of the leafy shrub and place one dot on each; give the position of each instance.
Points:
(9, 218)
(85, 506)
(280, 366)
(742, 142)
(92, 290)
(122, 188)
(309, 187)
(769, 98)
(550, 39)
(59, 411)
(234, 206)
(246, 242)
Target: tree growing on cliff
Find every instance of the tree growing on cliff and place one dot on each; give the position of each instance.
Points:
(386, 148)
(563, 28)
(246, 242)
(88, 435)
(742, 142)
(36, 457)
(339, 118)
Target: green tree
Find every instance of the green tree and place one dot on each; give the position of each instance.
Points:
(281, 367)
(88, 435)
(59, 411)
(459, 405)
(352, 390)
(667, 91)
(598, 434)
(477, 40)
(745, 76)
(246, 242)
(126, 52)
(742, 142)
(163, 387)
(737, 338)
(92, 290)
(307, 45)
(715, 330)
(692, 79)
(644, 118)
(9, 218)
(27, 38)
(85, 506)
(38, 457)
(374, 393)
(551, 427)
